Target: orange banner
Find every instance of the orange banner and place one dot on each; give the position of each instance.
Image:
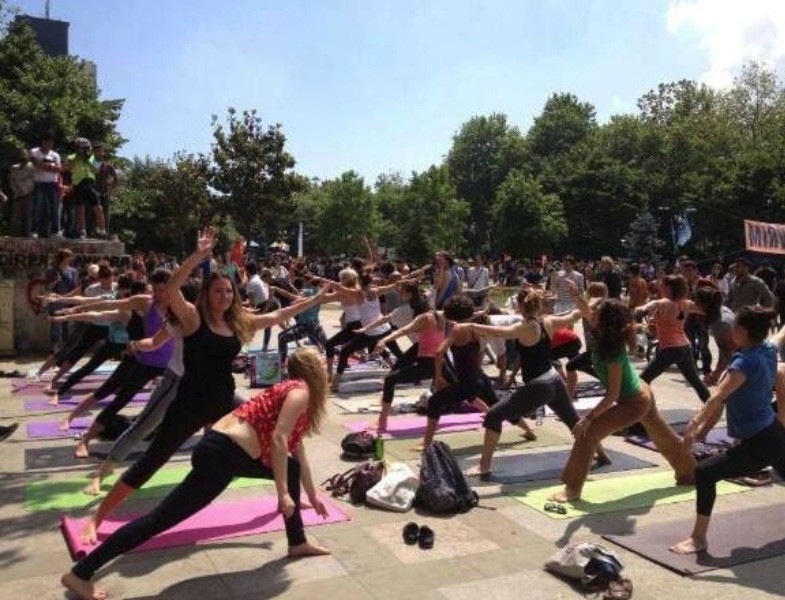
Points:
(764, 237)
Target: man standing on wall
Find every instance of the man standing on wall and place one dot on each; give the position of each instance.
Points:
(106, 180)
(46, 199)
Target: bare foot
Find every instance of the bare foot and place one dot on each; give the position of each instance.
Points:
(81, 450)
(54, 400)
(65, 425)
(602, 460)
(307, 549)
(690, 546)
(49, 391)
(529, 435)
(94, 487)
(84, 590)
(476, 471)
(565, 495)
(89, 534)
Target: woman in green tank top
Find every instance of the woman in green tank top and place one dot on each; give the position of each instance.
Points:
(628, 399)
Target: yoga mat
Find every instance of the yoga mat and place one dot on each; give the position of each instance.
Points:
(51, 429)
(67, 494)
(589, 389)
(360, 386)
(541, 466)
(734, 538)
(42, 404)
(613, 494)
(716, 437)
(413, 426)
(470, 442)
(371, 372)
(218, 521)
(582, 405)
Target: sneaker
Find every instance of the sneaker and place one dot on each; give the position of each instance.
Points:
(83, 235)
(59, 235)
(34, 236)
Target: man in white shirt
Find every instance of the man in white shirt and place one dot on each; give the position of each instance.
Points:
(478, 282)
(46, 198)
(564, 302)
(258, 291)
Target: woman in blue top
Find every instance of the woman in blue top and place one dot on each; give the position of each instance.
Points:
(746, 390)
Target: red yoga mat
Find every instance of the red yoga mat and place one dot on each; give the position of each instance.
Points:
(218, 521)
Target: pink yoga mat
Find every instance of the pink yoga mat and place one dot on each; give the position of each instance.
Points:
(409, 426)
(42, 404)
(51, 429)
(219, 521)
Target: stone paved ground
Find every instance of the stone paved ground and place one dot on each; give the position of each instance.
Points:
(496, 551)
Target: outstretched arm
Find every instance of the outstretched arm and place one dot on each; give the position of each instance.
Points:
(273, 318)
(186, 312)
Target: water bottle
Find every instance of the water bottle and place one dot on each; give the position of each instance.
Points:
(540, 413)
(378, 448)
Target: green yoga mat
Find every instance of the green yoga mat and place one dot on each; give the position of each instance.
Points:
(66, 494)
(613, 494)
(466, 443)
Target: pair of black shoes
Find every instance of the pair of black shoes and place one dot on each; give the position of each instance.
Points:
(7, 432)
(422, 536)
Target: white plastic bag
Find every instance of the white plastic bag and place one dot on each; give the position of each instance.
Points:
(571, 560)
(396, 490)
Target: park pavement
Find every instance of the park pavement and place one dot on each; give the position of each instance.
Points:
(493, 552)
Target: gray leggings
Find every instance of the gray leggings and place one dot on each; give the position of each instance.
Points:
(551, 392)
(148, 419)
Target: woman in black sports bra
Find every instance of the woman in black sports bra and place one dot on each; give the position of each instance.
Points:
(472, 382)
(214, 330)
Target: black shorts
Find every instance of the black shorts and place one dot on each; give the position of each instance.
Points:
(85, 194)
(568, 350)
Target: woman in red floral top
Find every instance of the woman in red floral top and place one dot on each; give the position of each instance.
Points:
(262, 438)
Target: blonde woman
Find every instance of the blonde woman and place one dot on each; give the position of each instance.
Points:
(262, 438)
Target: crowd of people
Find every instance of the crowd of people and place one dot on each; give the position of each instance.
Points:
(183, 325)
(61, 196)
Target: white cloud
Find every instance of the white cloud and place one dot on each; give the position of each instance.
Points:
(732, 32)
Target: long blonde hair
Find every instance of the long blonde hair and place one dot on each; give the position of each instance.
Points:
(236, 318)
(306, 364)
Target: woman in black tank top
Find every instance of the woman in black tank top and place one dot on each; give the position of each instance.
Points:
(472, 382)
(214, 330)
(542, 384)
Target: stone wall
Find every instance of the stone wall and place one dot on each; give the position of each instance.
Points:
(24, 261)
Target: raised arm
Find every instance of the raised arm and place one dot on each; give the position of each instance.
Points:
(187, 313)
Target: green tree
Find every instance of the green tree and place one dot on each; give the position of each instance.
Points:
(41, 95)
(641, 241)
(528, 221)
(346, 215)
(483, 152)
(564, 122)
(253, 172)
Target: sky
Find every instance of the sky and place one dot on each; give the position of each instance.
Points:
(382, 86)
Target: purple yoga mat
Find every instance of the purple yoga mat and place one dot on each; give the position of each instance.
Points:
(716, 437)
(410, 426)
(51, 429)
(219, 521)
(39, 404)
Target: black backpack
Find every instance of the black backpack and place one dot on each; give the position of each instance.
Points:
(443, 487)
(358, 445)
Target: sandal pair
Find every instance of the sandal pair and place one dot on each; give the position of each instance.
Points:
(414, 534)
(555, 507)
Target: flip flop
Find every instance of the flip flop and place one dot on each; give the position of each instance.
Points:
(426, 538)
(411, 533)
(484, 477)
(555, 507)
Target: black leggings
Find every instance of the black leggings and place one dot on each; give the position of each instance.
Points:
(358, 342)
(340, 338)
(116, 379)
(312, 330)
(582, 363)
(185, 417)
(479, 386)
(91, 336)
(216, 460)
(137, 377)
(765, 448)
(681, 357)
(407, 358)
(528, 398)
(74, 338)
(106, 351)
(421, 368)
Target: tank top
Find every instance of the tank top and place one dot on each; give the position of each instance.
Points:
(261, 413)
(207, 378)
(118, 334)
(153, 321)
(135, 327)
(536, 359)
(370, 310)
(351, 313)
(466, 360)
(630, 382)
(670, 327)
(430, 338)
